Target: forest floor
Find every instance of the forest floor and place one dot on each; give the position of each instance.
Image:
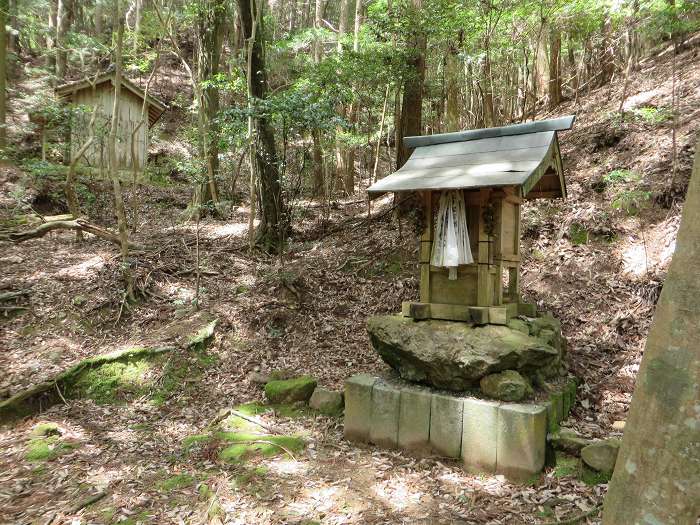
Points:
(594, 265)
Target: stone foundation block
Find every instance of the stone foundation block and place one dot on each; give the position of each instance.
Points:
(480, 434)
(557, 399)
(358, 406)
(384, 424)
(522, 433)
(414, 419)
(446, 425)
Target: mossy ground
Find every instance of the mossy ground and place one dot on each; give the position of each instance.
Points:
(157, 376)
(239, 439)
(47, 448)
(571, 466)
(176, 482)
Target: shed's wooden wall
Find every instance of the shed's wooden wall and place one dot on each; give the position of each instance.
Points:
(129, 117)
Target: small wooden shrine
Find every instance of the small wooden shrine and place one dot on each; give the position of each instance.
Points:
(494, 169)
(99, 94)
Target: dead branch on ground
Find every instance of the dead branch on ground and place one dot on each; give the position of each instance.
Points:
(76, 225)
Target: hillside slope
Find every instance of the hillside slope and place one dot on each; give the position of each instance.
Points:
(597, 267)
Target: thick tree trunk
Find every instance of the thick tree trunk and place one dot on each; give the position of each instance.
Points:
(341, 151)
(412, 104)
(657, 474)
(317, 151)
(271, 232)
(51, 37)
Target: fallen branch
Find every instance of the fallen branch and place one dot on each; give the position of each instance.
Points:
(88, 501)
(13, 295)
(76, 225)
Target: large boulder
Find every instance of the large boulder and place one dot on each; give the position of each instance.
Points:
(454, 355)
(508, 385)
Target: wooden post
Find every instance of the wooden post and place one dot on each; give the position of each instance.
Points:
(483, 297)
(426, 245)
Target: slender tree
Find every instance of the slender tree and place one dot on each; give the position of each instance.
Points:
(272, 229)
(3, 73)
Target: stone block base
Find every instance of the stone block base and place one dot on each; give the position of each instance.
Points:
(488, 436)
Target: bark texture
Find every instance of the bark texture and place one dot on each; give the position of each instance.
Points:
(657, 475)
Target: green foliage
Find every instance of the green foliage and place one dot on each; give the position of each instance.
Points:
(652, 115)
(621, 176)
(631, 201)
(578, 234)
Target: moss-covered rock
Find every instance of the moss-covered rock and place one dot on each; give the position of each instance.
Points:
(601, 455)
(568, 441)
(290, 390)
(176, 482)
(46, 429)
(508, 385)
(47, 448)
(454, 355)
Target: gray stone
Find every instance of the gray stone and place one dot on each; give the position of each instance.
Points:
(384, 423)
(326, 401)
(414, 419)
(358, 406)
(557, 399)
(527, 309)
(601, 455)
(552, 421)
(546, 322)
(508, 385)
(453, 355)
(480, 434)
(567, 440)
(522, 435)
(446, 425)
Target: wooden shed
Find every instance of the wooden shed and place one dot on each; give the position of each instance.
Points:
(101, 94)
(494, 170)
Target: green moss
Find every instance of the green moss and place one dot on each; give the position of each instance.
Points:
(46, 429)
(46, 448)
(113, 381)
(191, 441)
(592, 477)
(578, 234)
(567, 466)
(244, 445)
(290, 390)
(176, 482)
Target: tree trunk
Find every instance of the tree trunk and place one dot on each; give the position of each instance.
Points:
(452, 103)
(657, 474)
(51, 37)
(341, 155)
(210, 39)
(3, 73)
(487, 87)
(317, 151)
(112, 152)
(554, 67)
(272, 230)
(541, 77)
(64, 17)
(412, 104)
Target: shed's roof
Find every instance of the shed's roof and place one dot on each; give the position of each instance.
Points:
(156, 107)
(523, 155)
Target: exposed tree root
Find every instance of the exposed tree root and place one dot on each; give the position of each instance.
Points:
(76, 225)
